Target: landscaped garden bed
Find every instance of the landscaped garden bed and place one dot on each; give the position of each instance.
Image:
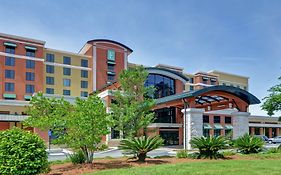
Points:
(239, 164)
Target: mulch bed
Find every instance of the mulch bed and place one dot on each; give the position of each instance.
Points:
(102, 164)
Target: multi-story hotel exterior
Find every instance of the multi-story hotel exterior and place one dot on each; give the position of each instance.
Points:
(204, 103)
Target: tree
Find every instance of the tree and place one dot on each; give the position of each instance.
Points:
(132, 109)
(272, 102)
(80, 125)
(86, 125)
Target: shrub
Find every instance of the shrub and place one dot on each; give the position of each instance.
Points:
(102, 147)
(275, 150)
(140, 146)
(182, 154)
(209, 146)
(22, 153)
(77, 157)
(248, 144)
(228, 153)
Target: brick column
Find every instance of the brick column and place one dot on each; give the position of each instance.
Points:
(193, 125)
(270, 132)
(261, 131)
(277, 131)
(240, 123)
(252, 131)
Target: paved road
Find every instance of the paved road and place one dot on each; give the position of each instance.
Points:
(115, 153)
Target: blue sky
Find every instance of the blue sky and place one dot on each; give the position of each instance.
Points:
(239, 36)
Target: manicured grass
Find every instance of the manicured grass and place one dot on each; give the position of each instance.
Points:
(214, 167)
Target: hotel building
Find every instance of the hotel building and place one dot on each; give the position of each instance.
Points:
(188, 105)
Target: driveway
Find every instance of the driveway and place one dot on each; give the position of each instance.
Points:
(60, 154)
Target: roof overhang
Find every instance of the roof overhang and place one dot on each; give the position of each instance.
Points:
(240, 93)
(111, 41)
(168, 73)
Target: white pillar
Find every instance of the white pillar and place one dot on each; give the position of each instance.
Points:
(240, 123)
(193, 126)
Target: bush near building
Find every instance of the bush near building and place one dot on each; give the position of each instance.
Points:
(209, 146)
(22, 153)
(140, 146)
(248, 144)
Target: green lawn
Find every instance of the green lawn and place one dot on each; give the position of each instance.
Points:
(215, 167)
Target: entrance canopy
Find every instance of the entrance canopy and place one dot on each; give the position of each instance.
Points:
(211, 98)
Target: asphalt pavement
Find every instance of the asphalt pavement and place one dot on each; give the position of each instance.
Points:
(61, 154)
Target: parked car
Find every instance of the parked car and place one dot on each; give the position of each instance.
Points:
(276, 139)
(263, 137)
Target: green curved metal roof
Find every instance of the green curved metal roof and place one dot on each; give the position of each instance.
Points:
(244, 95)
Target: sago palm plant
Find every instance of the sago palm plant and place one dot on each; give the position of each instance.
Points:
(140, 146)
(209, 146)
(248, 144)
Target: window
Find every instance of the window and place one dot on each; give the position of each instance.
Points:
(50, 69)
(84, 73)
(30, 64)
(217, 132)
(30, 53)
(10, 49)
(228, 132)
(10, 74)
(29, 88)
(191, 80)
(164, 86)
(110, 67)
(213, 81)
(205, 119)
(66, 71)
(66, 60)
(84, 63)
(206, 132)
(66, 82)
(50, 57)
(217, 119)
(50, 90)
(110, 77)
(227, 120)
(205, 80)
(115, 134)
(29, 76)
(84, 94)
(84, 84)
(10, 61)
(165, 115)
(191, 88)
(111, 55)
(66, 92)
(50, 80)
(9, 87)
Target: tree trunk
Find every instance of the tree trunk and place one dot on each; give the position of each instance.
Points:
(141, 157)
(89, 155)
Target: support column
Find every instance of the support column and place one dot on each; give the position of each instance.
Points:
(240, 123)
(270, 132)
(277, 131)
(261, 131)
(193, 125)
(252, 131)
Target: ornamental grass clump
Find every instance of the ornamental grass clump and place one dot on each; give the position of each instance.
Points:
(140, 146)
(209, 146)
(22, 153)
(248, 144)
